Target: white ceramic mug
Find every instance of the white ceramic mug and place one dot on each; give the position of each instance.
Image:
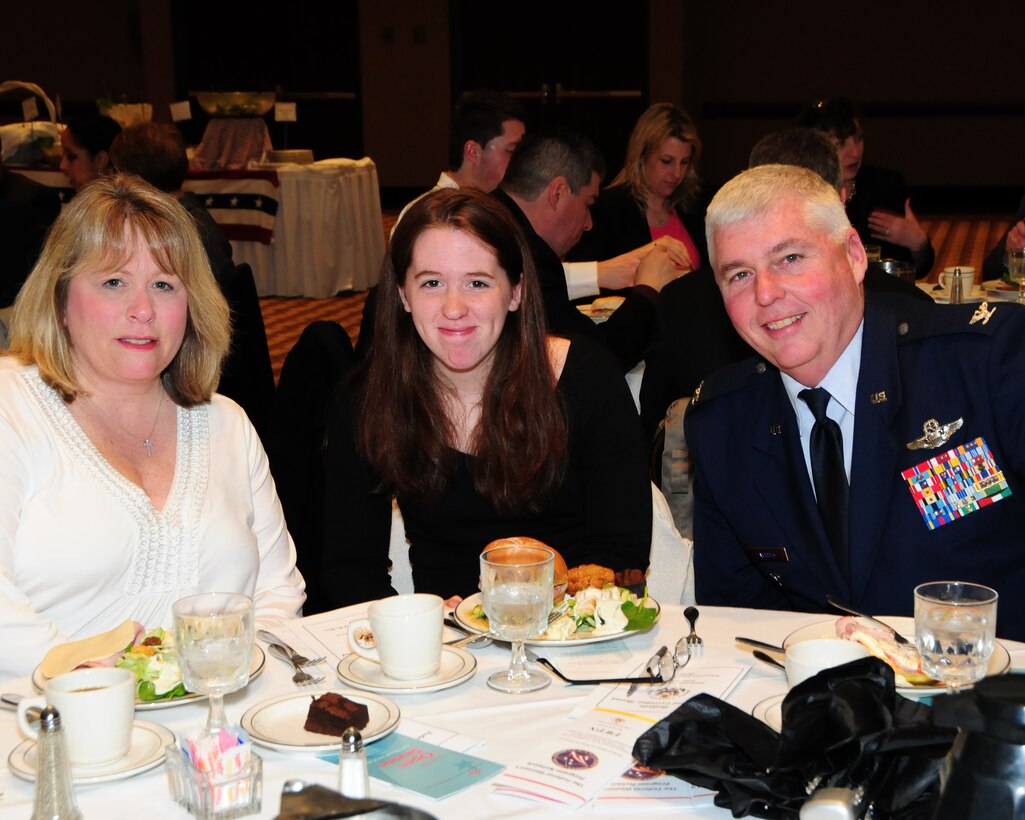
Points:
(97, 709)
(946, 279)
(404, 635)
(807, 658)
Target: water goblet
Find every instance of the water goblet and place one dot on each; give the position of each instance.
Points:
(955, 630)
(1016, 270)
(516, 592)
(213, 633)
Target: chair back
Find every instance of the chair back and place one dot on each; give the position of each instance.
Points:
(311, 371)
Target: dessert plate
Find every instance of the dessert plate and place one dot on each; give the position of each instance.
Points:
(457, 665)
(255, 668)
(770, 712)
(999, 661)
(278, 723)
(146, 752)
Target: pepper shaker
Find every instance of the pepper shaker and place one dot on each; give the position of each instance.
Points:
(353, 778)
(55, 794)
(956, 285)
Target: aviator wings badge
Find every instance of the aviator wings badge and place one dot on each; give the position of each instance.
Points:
(935, 434)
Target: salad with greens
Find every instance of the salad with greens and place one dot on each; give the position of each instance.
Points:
(154, 662)
(594, 611)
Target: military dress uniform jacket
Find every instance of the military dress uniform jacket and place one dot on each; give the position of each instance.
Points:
(759, 540)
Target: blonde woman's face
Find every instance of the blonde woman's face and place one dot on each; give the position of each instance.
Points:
(125, 325)
(666, 168)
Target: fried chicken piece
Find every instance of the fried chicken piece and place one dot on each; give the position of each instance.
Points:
(589, 575)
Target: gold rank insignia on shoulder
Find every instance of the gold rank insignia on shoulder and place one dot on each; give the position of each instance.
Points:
(697, 392)
(936, 434)
(982, 313)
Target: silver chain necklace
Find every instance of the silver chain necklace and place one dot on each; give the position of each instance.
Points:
(146, 442)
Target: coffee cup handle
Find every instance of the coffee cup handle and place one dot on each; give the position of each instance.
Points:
(23, 706)
(356, 628)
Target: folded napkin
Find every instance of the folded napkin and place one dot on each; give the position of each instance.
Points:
(845, 727)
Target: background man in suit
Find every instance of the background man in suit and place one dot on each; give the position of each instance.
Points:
(908, 467)
(549, 188)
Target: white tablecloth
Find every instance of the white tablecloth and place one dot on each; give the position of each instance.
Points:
(508, 724)
(328, 234)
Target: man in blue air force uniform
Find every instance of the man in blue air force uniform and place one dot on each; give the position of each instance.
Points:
(913, 473)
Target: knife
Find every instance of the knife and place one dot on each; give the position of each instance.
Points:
(844, 608)
(768, 647)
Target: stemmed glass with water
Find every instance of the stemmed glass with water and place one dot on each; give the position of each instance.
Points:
(516, 592)
(213, 633)
(955, 630)
(1016, 271)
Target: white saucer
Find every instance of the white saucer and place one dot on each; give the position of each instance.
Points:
(278, 723)
(770, 712)
(457, 665)
(146, 752)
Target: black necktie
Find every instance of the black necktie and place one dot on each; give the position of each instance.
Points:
(827, 470)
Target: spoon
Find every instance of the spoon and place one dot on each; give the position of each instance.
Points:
(844, 608)
(768, 659)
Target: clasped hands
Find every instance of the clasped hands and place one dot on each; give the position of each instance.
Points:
(654, 264)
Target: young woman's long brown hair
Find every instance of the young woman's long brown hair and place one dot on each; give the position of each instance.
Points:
(519, 444)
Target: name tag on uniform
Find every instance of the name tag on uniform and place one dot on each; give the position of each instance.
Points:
(761, 555)
(955, 483)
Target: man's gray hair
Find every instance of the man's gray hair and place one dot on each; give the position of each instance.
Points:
(755, 192)
(542, 156)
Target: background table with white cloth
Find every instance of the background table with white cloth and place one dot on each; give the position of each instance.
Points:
(507, 723)
(306, 230)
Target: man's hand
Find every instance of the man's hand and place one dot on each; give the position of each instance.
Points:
(1015, 237)
(899, 230)
(621, 271)
(657, 269)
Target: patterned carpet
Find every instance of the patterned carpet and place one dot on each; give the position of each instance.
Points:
(957, 240)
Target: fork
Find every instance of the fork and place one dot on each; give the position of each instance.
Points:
(301, 676)
(690, 644)
(293, 656)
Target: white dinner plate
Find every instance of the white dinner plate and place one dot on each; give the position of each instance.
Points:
(999, 662)
(146, 752)
(255, 668)
(278, 723)
(463, 614)
(770, 712)
(1000, 290)
(457, 665)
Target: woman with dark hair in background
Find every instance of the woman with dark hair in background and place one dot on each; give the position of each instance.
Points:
(656, 193)
(480, 423)
(86, 142)
(877, 200)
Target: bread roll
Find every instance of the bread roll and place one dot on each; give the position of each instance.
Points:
(561, 571)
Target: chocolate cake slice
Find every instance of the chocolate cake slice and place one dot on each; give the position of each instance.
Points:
(332, 714)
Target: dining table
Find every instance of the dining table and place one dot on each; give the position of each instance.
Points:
(309, 230)
(504, 726)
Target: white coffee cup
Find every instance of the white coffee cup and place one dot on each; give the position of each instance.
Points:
(404, 635)
(97, 709)
(807, 658)
(946, 278)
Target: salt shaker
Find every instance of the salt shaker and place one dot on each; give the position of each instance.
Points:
(353, 779)
(956, 285)
(55, 796)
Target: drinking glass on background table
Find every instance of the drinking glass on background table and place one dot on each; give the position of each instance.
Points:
(214, 636)
(1016, 271)
(516, 592)
(955, 630)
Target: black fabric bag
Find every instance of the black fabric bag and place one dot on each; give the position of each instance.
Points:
(845, 727)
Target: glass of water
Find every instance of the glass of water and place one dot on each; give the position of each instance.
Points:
(1016, 270)
(214, 637)
(516, 592)
(955, 629)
